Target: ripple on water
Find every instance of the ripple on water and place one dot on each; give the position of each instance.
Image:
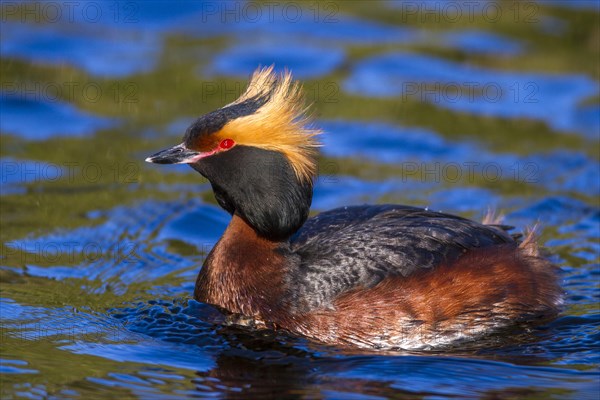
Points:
(15, 367)
(177, 355)
(301, 58)
(15, 173)
(347, 190)
(390, 143)
(481, 42)
(577, 225)
(122, 249)
(424, 155)
(100, 52)
(334, 191)
(462, 377)
(33, 323)
(576, 4)
(554, 99)
(52, 117)
(562, 171)
(187, 335)
(185, 331)
(141, 25)
(198, 225)
(317, 24)
(557, 210)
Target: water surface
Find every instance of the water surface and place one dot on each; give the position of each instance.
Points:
(100, 251)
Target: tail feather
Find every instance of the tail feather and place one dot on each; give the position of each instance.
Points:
(529, 245)
(491, 218)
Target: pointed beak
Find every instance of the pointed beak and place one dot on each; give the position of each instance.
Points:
(176, 155)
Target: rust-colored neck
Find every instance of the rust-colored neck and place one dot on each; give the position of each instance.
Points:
(243, 273)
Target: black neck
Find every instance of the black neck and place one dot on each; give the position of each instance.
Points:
(261, 187)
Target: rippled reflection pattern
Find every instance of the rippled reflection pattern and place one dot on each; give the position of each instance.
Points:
(423, 103)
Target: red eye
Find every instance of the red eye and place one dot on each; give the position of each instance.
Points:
(226, 144)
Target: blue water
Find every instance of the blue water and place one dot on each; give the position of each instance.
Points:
(308, 61)
(97, 272)
(482, 42)
(459, 87)
(43, 115)
(99, 52)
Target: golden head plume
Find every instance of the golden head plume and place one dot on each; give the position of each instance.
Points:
(279, 124)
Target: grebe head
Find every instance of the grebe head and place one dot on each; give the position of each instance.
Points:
(257, 153)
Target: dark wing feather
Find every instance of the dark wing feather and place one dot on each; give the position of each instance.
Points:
(359, 246)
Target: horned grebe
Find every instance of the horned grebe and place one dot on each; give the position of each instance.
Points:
(386, 276)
